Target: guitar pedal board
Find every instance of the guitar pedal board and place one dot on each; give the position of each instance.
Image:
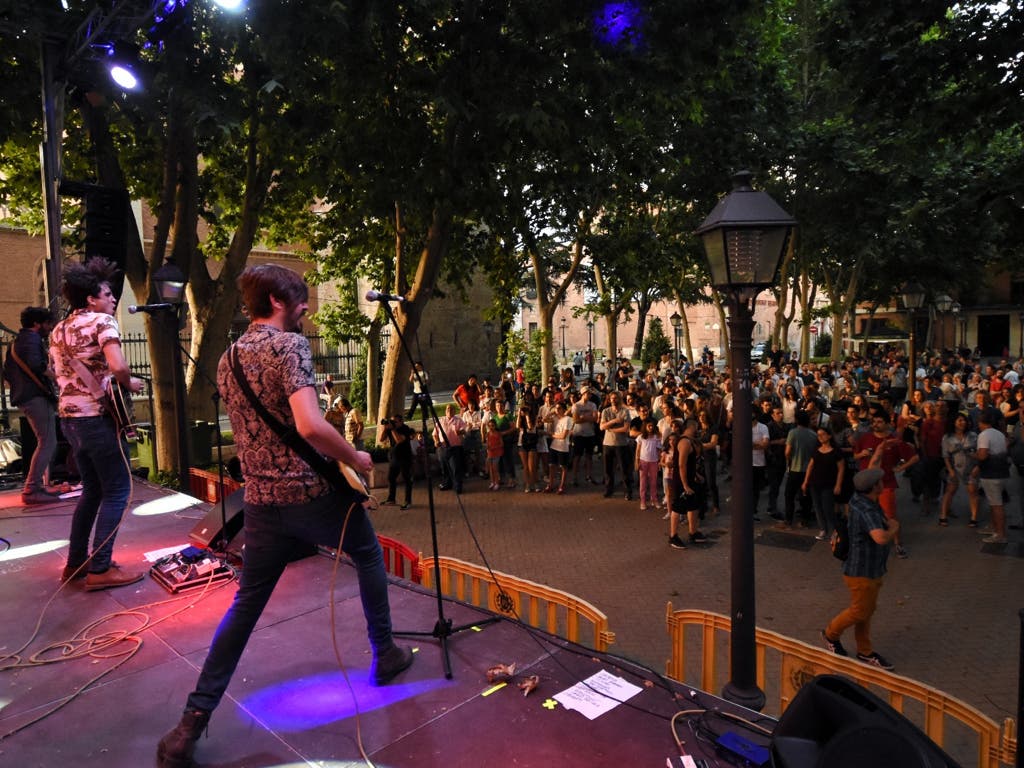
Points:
(190, 569)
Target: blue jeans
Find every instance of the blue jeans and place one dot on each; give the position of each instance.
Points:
(40, 414)
(824, 507)
(101, 456)
(271, 536)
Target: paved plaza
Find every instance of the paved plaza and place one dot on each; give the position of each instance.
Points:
(948, 615)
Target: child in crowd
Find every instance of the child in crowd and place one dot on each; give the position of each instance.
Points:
(648, 457)
(495, 450)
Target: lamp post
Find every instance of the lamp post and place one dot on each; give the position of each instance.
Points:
(677, 321)
(169, 282)
(913, 298)
(1020, 335)
(943, 303)
(562, 325)
(744, 238)
(955, 310)
(590, 349)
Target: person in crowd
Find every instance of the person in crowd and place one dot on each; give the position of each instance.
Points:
(353, 424)
(882, 448)
(992, 471)
(449, 433)
(870, 533)
(286, 501)
(398, 436)
(775, 458)
(560, 432)
(85, 353)
(468, 392)
(760, 440)
(584, 436)
(473, 443)
(503, 422)
(959, 449)
(420, 381)
(710, 438)
(648, 460)
(801, 443)
(615, 425)
(823, 481)
(27, 370)
(526, 427)
(930, 433)
(495, 447)
(691, 487)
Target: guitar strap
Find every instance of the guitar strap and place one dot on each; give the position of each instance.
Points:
(327, 469)
(30, 373)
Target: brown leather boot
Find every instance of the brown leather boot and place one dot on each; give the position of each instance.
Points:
(176, 747)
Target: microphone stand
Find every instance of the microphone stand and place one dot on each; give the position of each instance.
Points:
(443, 628)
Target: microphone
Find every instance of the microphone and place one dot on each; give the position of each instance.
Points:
(149, 309)
(372, 295)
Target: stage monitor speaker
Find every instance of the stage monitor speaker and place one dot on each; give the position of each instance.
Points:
(835, 723)
(208, 530)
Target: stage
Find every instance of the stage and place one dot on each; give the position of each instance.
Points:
(105, 699)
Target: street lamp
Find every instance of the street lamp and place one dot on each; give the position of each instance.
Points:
(169, 282)
(955, 309)
(943, 303)
(1020, 335)
(677, 321)
(590, 348)
(913, 298)
(744, 238)
(562, 325)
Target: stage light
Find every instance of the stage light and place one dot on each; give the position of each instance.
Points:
(230, 5)
(620, 24)
(31, 550)
(173, 503)
(121, 61)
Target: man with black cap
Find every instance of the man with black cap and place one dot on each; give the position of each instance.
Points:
(871, 533)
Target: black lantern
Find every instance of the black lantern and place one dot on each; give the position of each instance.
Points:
(677, 322)
(169, 284)
(745, 238)
(912, 294)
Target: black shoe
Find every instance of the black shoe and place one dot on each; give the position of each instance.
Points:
(676, 543)
(608, 495)
(444, 487)
(176, 748)
(834, 646)
(406, 505)
(757, 518)
(389, 664)
(698, 537)
(876, 660)
(629, 497)
(388, 503)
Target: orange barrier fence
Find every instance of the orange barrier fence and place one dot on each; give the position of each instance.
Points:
(207, 485)
(552, 610)
(784, 665)
(400, 560)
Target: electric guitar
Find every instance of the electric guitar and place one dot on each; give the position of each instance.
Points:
(117, 401)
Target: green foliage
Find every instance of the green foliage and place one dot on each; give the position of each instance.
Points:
(655, 345)
(534, 355)
(357, 391)
(823, 345)
(512, 349)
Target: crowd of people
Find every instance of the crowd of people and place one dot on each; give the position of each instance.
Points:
(661, 437)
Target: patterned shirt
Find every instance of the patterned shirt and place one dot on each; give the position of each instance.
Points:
(277, 364)
(82, 335)
(866, 558)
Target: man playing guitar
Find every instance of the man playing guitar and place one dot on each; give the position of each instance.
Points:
(286, 501)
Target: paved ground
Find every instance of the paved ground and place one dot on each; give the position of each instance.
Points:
(948, 616)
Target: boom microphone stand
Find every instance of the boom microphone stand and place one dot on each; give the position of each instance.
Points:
(443, 628)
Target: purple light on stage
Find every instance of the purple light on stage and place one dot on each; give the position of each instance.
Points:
(309, 702)
(620, 24)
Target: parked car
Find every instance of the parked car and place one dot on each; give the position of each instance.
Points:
(759, 352)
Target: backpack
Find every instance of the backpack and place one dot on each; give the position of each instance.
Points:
(840, 540)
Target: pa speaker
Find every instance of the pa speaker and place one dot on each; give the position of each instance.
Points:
(229, 520)
(835, 723)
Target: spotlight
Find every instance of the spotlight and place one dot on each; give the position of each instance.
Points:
(230, 5)
(121, 62)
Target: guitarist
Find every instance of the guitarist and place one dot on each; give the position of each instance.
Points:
(286, 501)
(85, 348)
(32, 391)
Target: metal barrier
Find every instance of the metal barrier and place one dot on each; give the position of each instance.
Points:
(794, 663)
(506, 595)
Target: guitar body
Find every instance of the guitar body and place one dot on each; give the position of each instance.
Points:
(120, 406)
(355, 481)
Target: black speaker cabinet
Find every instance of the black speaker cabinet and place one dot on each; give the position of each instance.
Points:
(835, 723)
(208, 530)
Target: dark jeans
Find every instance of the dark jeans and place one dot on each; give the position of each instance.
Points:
(102, 462)
(453, 466)
(793, 482)
(758, 475)
(421, 400)
(271, 537)
(776, 473)
(711, 468)
(40, 414)
(824, 507)
(403, 468)
(507, 463)
(624, 456)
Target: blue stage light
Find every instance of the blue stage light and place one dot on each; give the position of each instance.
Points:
(620, 24)
(230, 5)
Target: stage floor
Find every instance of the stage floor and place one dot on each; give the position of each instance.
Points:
(99, 677)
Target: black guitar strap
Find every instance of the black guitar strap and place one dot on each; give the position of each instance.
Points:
(327, 469)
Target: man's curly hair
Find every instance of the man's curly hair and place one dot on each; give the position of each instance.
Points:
(84, 280)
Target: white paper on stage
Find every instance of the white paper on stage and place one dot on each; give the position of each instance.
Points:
(597, 694)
